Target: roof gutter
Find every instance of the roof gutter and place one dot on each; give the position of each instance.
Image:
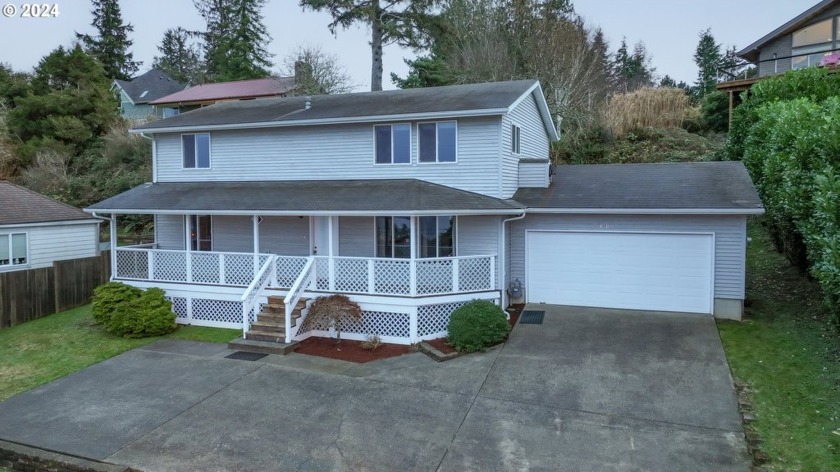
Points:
(649, 211)
(325, 121)
(512, 211)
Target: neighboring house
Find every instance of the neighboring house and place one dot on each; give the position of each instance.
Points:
(137, 94)
(35, 230)
(804, 41)
(208, 94)
(414, 202)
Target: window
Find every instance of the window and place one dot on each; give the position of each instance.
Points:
(393, 236)
(811, 43)
(13, 249)
(168, 112)
(392, 143)
(437, 236)
(515, 139)
(196, 150)
(201, 233)
(438, 141)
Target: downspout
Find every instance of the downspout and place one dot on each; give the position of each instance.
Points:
(503, 259)
(112, 229)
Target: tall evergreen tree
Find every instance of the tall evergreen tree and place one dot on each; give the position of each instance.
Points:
(235, 39)
(708, 57)
(404, 22)
(111, 44)
(180, 57)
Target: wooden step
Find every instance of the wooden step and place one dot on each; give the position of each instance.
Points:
(273, 308)
(267, 326)
(276, 318)
(278, 300)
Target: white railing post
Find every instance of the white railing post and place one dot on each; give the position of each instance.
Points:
(246, 311)
(412, 325)
(492, 272)
(371, 269)
(456, 284)
(189, 266)
(331, 268)
(150, 265)
(412, 277)
(222, 274)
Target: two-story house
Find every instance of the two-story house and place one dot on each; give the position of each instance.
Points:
(413, 202)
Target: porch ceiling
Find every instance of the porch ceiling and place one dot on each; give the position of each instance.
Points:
(398, 196)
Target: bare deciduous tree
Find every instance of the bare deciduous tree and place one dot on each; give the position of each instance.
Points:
(316, 71)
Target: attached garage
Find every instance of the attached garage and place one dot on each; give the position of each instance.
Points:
(656, 237)
(640, 271)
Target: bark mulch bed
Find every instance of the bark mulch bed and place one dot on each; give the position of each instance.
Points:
(348, 350)
(440, 343)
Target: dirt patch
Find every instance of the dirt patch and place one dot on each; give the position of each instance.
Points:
(516, 313)
(351, 351)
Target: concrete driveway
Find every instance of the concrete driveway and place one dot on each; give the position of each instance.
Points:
(587, 390)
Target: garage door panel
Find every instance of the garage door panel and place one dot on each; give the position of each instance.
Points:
(668, 272)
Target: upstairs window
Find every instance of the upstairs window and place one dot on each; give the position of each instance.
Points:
(438, 141)
(515, 139)
(811, 43)
(392, 143)
(13, 249)
(196, 150)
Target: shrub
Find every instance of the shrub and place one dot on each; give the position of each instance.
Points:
(107, 297)
(371, 343)
(333, 311)
(660, 107)
(715, 111)
(128, 311)
(477, 325)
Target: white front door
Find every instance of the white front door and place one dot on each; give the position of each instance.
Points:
(321, 236)
(658, 271)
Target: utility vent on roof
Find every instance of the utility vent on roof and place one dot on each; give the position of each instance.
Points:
(144, 94)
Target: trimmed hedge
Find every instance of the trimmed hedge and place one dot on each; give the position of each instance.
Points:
(477, 325)
(133, 313)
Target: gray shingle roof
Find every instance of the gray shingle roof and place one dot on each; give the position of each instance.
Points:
(150, 86)
(674, 186)
(453, 98)
(19, 205)
(399, 195)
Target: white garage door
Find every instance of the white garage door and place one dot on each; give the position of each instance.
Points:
(662, 272)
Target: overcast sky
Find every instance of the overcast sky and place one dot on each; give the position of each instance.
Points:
(669, 28)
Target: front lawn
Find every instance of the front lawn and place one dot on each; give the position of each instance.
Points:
(790, 359)
(43, 350)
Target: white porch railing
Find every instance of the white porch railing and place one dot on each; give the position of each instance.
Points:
(352, 275)
(408, 277)
(304, 282)
(252, 294)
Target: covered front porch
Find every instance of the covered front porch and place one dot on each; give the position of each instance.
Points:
(408, 269)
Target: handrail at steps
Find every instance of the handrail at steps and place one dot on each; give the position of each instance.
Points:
(303, 282)
(250, 296)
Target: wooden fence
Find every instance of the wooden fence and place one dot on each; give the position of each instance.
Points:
(30, 294)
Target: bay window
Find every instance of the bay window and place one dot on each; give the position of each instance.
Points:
(393, 236)
(437, 236)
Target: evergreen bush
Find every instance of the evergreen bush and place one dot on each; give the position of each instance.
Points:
(477, 325)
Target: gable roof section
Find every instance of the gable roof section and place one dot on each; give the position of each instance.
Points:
(387, 197)
(690, 188)
(149, 86)
(240, 89)
(751, 52)
(453, 101)
(22, 206)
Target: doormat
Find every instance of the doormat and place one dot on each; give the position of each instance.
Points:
(532, 317)
(246, 356)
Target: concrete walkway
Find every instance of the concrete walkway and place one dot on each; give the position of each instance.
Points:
(587, 390)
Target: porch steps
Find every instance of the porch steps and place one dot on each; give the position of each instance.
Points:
(270, 326)
(262, 347)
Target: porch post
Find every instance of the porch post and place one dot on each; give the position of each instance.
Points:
(188, 247)
(256, 228)
(412, 267)
(112, 229)
(330, 252)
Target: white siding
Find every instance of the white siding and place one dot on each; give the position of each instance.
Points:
(534, 142)
(356, 236)
(730, 240)
(479, 236)
(233, 234)
(46, 244)
(285, 235)
(333, 152)
(169, 232)
(533, 175)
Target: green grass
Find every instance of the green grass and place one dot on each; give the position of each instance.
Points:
(788, 355)
(43, 350)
